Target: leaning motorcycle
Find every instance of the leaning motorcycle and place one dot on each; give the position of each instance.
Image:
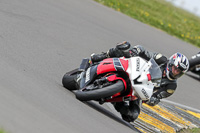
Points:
(114, 79)
(195, 64)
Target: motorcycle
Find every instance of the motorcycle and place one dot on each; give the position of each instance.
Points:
(114, 79)
(195, 64)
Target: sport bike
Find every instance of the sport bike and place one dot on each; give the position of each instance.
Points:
(114, 79)
(195, 64)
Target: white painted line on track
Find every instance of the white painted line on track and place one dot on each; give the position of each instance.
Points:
(181, 105)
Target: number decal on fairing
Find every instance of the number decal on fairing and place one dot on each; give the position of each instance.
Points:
(138, 64)
(87, 75)
(145, 93)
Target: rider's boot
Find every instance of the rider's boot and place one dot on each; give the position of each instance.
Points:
(123, 109)
(129, 112)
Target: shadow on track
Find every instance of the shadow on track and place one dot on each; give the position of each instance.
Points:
(107, 113)
(110, 114)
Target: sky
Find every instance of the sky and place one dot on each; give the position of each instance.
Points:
(192, 6)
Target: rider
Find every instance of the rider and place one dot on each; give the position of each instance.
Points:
(171, 68)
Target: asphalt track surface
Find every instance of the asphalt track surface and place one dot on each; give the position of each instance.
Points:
(42, 39)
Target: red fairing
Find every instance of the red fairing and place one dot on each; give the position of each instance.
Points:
(124, 63)
(112, 64)
(114, 77)
(106, 65)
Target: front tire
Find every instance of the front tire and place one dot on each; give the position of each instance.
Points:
(100, 93)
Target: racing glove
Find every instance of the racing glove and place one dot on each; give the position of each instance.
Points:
(126, 49)
(98, 57)
(153, 101)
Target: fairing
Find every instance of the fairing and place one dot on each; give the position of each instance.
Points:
(88, 76)
(105, 66)
(112, 64)
(139, 70)
(143, 76)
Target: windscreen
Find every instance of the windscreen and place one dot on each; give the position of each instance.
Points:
(155, 72)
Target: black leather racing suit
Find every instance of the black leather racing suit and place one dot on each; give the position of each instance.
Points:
(131, 110)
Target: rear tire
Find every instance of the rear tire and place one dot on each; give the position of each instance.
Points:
(68, 80)
(100, 93)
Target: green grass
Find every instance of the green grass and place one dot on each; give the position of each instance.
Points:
(162, 15)
(2, 131)
(194, 130)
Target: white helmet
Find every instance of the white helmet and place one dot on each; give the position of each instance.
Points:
(180, 62)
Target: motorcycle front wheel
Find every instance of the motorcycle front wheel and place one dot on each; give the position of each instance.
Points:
(101, 92)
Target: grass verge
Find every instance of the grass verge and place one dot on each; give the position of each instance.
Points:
(2, 131)
(194, 130)
(162, 15)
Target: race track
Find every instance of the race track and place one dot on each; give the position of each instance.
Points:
(42, 39)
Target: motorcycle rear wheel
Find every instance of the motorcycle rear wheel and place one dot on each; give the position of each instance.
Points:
(68, 80)
(100, 93)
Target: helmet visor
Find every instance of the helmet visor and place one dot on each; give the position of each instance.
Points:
(176, 72)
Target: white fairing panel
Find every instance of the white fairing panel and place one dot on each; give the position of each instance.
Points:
(138, 70)
(144, 91)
